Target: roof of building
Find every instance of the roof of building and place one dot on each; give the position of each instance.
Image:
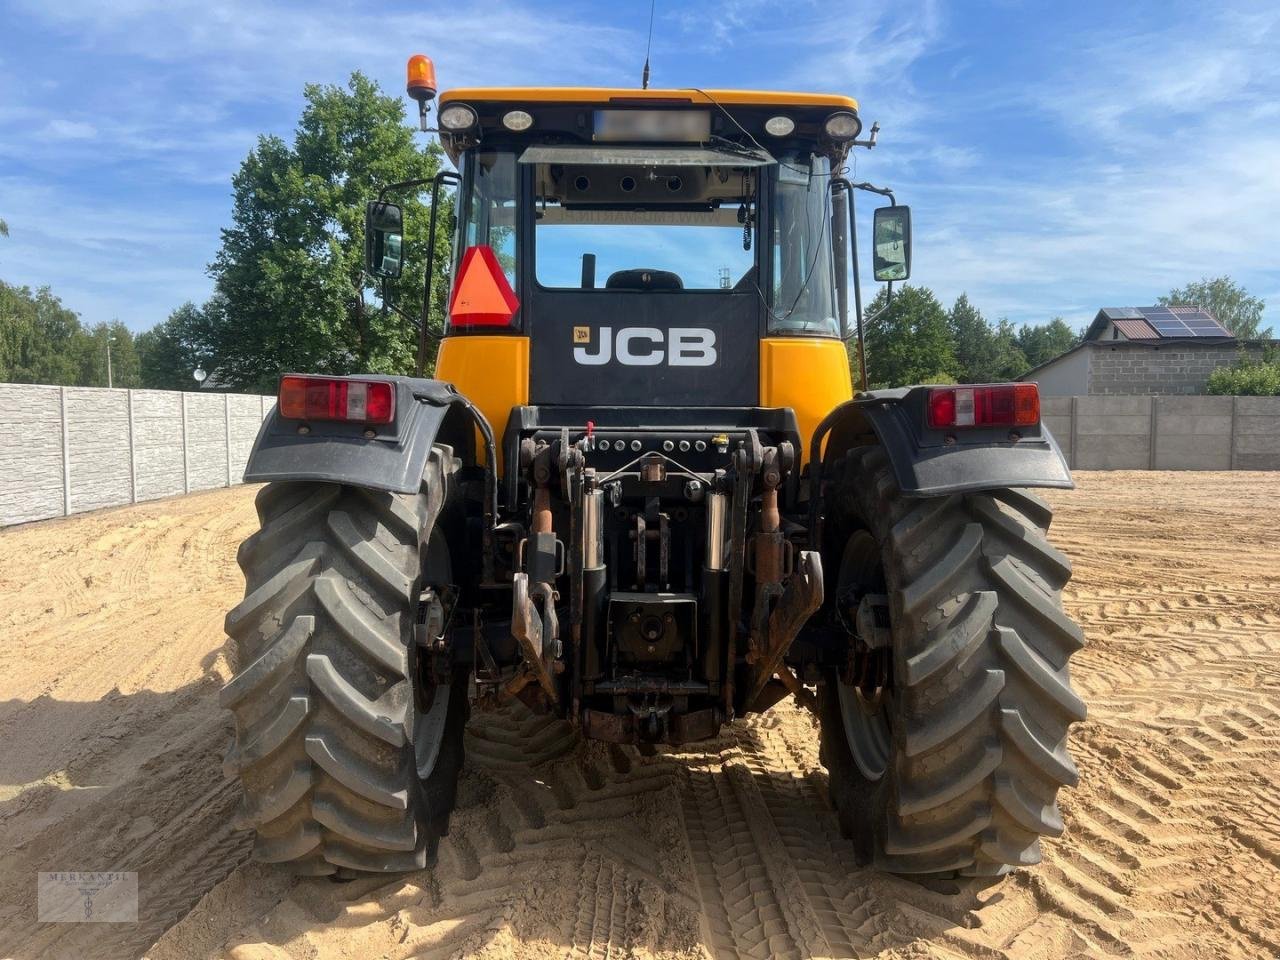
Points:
(1178, 322)
(1136, 329)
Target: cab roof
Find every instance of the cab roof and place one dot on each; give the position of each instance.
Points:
(608, 95)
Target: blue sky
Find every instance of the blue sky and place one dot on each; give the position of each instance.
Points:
(1057, 156)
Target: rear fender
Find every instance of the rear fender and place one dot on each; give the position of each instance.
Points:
(392, 458)
(932, 463)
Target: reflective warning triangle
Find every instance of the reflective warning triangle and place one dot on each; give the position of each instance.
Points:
(482, 297)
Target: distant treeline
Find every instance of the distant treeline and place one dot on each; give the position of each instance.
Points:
(915, 339)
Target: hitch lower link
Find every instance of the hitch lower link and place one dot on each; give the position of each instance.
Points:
(536, 628)
(534, 623)
(787, 593)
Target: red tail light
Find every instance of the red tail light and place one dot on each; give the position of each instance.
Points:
(999, 405)
(326, 398)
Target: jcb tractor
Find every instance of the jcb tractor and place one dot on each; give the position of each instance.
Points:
(642, 494)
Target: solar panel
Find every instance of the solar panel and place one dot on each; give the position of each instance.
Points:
(1181, 321)
(1123, 313)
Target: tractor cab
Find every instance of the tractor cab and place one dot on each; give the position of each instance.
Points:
(660, 249)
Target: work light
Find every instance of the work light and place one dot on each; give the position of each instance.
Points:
(457, 117)
(779, 126)
(517, 120)
(842, 126)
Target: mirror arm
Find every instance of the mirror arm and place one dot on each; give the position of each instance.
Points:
(872, 188)
(385, 290)
(402, 185)
(424, 330)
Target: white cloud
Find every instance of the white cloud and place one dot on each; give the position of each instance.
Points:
(58, 129)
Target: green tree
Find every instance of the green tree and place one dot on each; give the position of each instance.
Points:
(1226, 300)
(4, 229)
(293, 293)
(92, 356)
(909, 340)
(984, 354)
(17, 325)
(170, 352)
(41, 341)
(1041, 342)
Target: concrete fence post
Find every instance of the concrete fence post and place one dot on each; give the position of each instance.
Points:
(186, 464)
(226, 433)
(133, 453)
(66, 455)
(1075, 435)
(1155, 432)
(1231, 452)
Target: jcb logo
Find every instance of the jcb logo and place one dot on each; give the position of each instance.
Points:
(649, 347)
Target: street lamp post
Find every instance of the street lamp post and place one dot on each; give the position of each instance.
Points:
(109, 383)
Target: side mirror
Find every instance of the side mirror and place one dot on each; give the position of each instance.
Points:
(891, 243)
(383, 239)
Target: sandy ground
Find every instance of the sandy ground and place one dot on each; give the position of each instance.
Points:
(110, 742)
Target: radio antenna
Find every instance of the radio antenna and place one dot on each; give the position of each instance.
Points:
(644, 77)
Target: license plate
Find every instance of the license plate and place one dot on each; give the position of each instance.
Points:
(680, 125)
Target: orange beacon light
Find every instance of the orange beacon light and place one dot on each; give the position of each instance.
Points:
(421, 84)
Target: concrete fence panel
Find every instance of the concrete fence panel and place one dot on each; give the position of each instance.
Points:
(1192, 433)
(31, 484)
(206, 441)
(157, 444)
(97, 424)
(1256, 438)
(66, 450)
(244, 415)
(1112, 433)
(1055, 413)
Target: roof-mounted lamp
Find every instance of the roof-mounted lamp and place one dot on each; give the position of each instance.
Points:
(421, 85)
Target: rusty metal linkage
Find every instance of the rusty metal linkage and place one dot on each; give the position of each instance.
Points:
(800, 598)
(527, 628)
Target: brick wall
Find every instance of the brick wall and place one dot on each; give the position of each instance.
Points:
(1127, 368)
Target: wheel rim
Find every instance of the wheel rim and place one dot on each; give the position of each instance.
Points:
(865, 718)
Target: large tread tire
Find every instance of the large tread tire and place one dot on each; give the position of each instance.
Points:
(347, 764)
(980, 700)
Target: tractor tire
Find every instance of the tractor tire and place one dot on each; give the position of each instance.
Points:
(952, 765)
(347, 754)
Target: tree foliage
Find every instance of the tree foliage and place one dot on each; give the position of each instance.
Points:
(984, 353)
(1228, 301)
(1040, 343)
(292, 293)
(916, 341)
(1248, 377)
(41, 341)
(172, 351)
(908, 339)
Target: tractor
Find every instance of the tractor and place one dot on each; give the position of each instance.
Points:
(642, 494)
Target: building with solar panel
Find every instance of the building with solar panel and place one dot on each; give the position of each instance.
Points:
(1142, 351)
